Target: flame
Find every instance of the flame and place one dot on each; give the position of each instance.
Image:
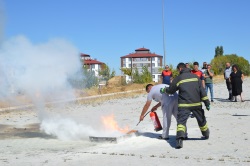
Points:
(111, 124)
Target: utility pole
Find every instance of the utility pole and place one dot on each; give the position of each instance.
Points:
(163, 33)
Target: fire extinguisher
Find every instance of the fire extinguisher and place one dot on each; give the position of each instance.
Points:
(156, 121)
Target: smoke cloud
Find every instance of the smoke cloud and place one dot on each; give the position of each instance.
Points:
(42, 71)
(69, 129)
(37, 70)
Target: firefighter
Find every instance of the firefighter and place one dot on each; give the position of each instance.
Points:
(191, 94)
(168, 103)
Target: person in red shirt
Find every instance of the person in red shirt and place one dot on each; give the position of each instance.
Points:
(198, 72)
(167, 75)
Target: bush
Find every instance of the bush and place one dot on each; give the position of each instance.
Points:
(219, 62)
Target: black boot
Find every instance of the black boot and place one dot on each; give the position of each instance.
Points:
(179, 143)
(230, 96)
(206, 134)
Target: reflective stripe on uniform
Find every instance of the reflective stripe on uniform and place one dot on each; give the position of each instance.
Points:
(187, 80)
(204, 98)
(190, 105)
(181, 127)
(204, 128)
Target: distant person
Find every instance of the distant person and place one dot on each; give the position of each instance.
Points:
(236, 78)
(188, 66)
(227, 73)
(208, 74)
(190, 97)
(198, 72)
(168, 103)
(204, 67)
(166, 75)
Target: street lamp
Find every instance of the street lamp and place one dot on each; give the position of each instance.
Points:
(163, 33)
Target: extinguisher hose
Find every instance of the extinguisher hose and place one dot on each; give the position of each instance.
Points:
(143, 117)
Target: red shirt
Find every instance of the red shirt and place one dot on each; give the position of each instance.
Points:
(166, 73)
(166, 76)
(198, 73)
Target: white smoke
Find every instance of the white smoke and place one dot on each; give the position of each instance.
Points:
(41, 71)
(66, 129)
(37, 70)
(69, 129)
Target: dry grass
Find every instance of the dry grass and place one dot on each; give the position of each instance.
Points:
(98, 95)
(114, 90)
(218, 78)
(93, 95)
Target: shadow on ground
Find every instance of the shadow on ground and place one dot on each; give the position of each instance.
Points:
(172, 138)
(27, 131)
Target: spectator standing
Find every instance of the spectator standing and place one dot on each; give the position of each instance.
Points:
(227, 73)
(204, 67)
(166, 75)
(236, 78)
(188, 66)
(208, 74)
(198, 72)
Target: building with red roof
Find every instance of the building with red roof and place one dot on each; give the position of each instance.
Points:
(92, 64)
(143, 57)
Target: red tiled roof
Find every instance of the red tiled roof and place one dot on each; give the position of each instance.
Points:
(84, 55)
(91, 61)
(141, 55)
(142, 49)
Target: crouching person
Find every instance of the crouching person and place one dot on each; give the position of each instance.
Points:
(168, 104)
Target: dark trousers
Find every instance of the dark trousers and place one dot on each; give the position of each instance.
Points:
(183, 115)
(229, 85)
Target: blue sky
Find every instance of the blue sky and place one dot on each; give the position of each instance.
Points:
(109, 29)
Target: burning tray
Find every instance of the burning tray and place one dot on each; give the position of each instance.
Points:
(114, 139)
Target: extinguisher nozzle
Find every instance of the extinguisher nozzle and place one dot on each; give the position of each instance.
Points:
(138, 123)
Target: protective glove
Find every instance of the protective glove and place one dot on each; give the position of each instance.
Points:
(208, 107)
(163, 90)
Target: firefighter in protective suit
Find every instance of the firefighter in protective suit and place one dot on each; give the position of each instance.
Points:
(190, 97)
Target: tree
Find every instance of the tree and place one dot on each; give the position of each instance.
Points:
(218, 63)
(105, 73)
(89, 78)
(126, 71)
(219, 51)
(143, 77)
(146, 75)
